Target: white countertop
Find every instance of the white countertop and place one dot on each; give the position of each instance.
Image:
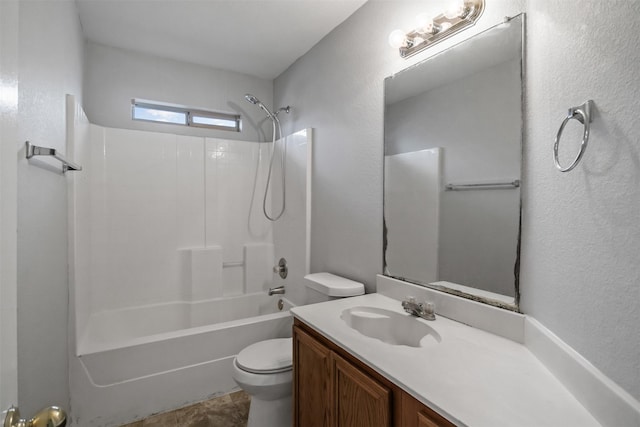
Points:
(471, 377)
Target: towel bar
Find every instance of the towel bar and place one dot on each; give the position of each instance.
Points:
(34, 150)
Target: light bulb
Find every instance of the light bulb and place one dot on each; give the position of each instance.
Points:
(417, 40)
(455, 9)
(426, 25)
(397, 39)
(425, 22)
(445, 26)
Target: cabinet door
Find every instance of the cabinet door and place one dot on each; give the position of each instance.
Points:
(312, 372)
(360, 401)
(424, 420)
(415, 414)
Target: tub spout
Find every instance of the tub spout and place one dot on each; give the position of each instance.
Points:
(277, 290)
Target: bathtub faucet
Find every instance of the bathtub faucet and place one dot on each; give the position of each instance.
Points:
(277, 290)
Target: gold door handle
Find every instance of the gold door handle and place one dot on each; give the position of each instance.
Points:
(52, 416)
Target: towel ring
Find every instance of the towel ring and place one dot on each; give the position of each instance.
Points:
(581, 113)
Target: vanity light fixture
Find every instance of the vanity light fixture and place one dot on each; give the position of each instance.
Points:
(430, 30)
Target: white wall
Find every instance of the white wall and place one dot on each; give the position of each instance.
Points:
(581, 237)
(50, 66)
(581, 234)
(113, 77)
(338, 87)
(8, 202)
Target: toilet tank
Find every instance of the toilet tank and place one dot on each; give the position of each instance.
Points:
(326, 286)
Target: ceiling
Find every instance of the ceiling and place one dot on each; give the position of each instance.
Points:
(256, 37)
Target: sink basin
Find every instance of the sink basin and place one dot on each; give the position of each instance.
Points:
(389, 326)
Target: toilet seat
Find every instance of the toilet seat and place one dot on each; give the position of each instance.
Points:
(267, 357)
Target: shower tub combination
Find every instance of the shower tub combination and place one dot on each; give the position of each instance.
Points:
(171, 258)
(146, 360)
(157, 338)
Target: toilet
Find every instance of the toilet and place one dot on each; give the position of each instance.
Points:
(264, 370)
(326, 286)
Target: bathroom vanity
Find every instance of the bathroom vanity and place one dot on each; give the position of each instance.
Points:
(338, 388)
(356, 363)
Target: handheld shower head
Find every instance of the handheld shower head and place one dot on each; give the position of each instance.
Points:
(252, 99)
(255, 101)
(276, 129)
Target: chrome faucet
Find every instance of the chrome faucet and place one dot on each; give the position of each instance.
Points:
(426, 310)
(277, 290)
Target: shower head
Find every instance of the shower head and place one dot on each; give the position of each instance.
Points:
(252, 99)
(286, 109)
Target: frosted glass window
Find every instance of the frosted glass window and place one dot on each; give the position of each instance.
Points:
(157, 115)
(212, 121)
(185, 116)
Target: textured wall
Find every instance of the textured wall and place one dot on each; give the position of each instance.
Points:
(581, 236)
(581, 230)
(337, 88)
(8, 199)
(50, 66)
(115, 76)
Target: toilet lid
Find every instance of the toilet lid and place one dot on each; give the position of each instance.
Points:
(266, 357)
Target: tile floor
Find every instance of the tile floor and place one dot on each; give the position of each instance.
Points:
(231, 410)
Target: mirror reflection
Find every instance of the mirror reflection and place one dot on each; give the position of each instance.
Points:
(453, 154)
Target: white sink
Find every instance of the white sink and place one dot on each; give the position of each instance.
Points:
(389, 326)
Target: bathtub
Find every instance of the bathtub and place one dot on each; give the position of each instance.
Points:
(139, 361)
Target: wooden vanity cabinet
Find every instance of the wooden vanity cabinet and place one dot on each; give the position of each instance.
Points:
(359, 400)
(313, 374)
(415, 414)
(334, 389)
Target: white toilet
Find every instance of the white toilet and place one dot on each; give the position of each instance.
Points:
(264, 369)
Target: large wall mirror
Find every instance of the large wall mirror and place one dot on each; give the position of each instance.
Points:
(452, 166)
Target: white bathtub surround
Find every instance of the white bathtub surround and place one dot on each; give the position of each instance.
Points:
(204, 270)
(150, 194)
(138, 325)
(258, 266)
(170, 259)
(143, 197)
(154, 346)
(292, 232)
(153, 374)
(606, 401)
(206, 273)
